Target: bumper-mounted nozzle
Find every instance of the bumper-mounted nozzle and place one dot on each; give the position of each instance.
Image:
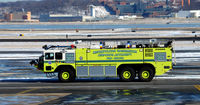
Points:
(33, 62)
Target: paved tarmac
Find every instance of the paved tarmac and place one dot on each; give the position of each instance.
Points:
(113, 91)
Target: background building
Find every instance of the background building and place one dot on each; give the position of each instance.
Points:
(17, 16)
(98, 11)
(59, 18)
(188, 14)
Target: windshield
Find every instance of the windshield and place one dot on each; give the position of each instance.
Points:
(49, 56)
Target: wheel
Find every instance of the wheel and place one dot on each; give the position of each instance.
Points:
(127, 74)
(66, 75)
(146, 74)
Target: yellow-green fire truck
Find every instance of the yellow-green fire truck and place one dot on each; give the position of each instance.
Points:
(127, 63)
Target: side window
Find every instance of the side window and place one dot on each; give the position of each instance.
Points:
(160, 56)
(49, 56)
(70, 57)
(58, 56)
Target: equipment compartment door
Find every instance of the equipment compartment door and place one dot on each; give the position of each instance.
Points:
(149, 55)
(81, 56)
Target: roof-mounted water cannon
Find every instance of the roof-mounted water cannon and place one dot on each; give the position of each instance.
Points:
(45, 47)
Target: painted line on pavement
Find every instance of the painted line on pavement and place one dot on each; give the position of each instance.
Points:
(26, 91)
(52, 99)
(197, 87)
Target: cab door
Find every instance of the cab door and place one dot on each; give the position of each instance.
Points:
(49, 61)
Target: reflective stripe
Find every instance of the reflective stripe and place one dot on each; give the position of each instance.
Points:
(149, 60)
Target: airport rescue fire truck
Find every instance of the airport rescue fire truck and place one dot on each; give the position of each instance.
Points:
(124, 61)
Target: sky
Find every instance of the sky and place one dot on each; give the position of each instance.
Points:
(14, 0)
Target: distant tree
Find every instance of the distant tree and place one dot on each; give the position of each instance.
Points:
(53, 6)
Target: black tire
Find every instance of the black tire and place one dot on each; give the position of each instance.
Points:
(66, 75)
(127, 74)
(146, 74)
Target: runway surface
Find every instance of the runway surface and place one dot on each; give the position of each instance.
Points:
(114, 92)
